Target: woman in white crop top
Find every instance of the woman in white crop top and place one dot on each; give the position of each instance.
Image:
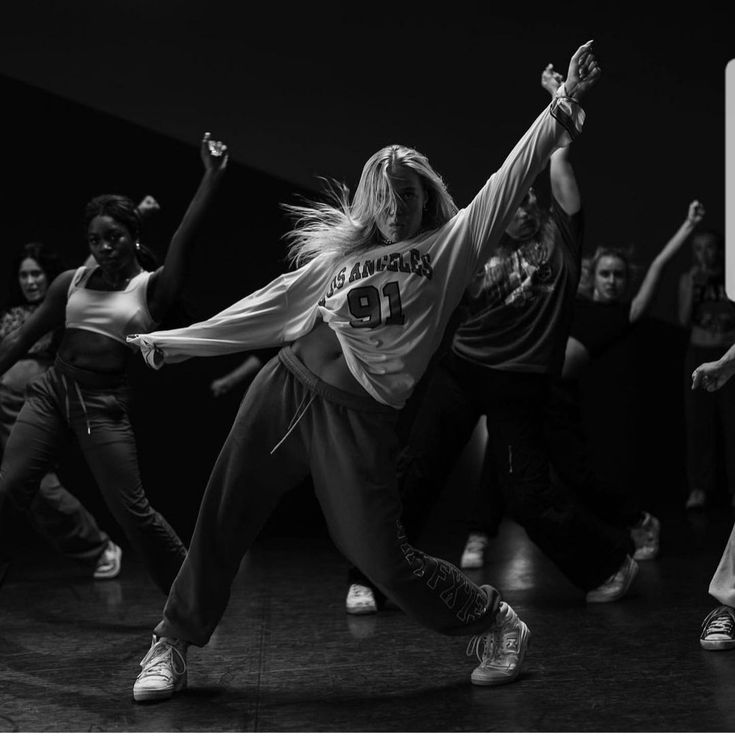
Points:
(377, 278)
(85, 390)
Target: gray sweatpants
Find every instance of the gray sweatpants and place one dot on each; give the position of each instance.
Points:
(349, 447)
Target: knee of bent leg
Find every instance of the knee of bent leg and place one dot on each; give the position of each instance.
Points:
(49, 483)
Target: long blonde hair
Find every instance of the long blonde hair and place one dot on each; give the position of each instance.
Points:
(340, 226)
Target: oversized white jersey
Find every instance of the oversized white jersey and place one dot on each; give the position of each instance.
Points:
(388, 305)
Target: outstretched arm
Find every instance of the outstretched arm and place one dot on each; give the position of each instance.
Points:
(564, 185)
(50, 314)
(651, 280)
(165, 284)
(282, 311)
(487, 216)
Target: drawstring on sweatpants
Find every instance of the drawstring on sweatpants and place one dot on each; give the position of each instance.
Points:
(296, 418)
(81, 401)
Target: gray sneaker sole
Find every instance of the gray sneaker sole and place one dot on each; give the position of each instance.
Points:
(364, 611)
(717, 644)
(645, 554)
(157, 694)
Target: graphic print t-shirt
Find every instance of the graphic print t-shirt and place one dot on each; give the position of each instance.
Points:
(519, 306)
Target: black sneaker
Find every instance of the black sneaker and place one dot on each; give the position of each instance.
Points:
(718, 629)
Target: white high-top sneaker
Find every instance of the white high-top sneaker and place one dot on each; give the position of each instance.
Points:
(163, 670)
(501, 650)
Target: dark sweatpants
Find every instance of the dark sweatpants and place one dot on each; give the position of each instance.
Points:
(573, 462)
(349, 446)
(709, 415)
(584, 548)
(55, 513)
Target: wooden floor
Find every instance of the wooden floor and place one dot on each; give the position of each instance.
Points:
(286, 657)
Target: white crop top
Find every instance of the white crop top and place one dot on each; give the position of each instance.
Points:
(115, 314)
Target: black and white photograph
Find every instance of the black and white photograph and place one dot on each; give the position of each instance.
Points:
(365, 370)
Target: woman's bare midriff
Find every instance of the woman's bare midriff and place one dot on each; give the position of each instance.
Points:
(320, 352)
(93, 352)
(707, 339)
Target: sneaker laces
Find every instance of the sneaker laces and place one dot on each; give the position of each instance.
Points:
(361, 592)
(160, 660)
(485, 642)
(719, 621)
(496, 644)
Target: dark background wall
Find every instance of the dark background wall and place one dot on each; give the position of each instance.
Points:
(180, 426)
(314, 88)
(113, 97)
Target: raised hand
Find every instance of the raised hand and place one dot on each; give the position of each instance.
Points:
(583, 72)
(148, 205)
(696, 212)
(220, 386)
(214, 153)
(550, 79)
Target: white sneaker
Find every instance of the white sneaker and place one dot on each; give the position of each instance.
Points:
(501, 650)
(109, 563)
(646, 538)
(360, 600)
(163, 670)
(697, 499)
(616, 585)
(473, 556)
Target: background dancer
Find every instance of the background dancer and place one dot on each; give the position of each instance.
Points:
(85, 392)
(55, 513)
